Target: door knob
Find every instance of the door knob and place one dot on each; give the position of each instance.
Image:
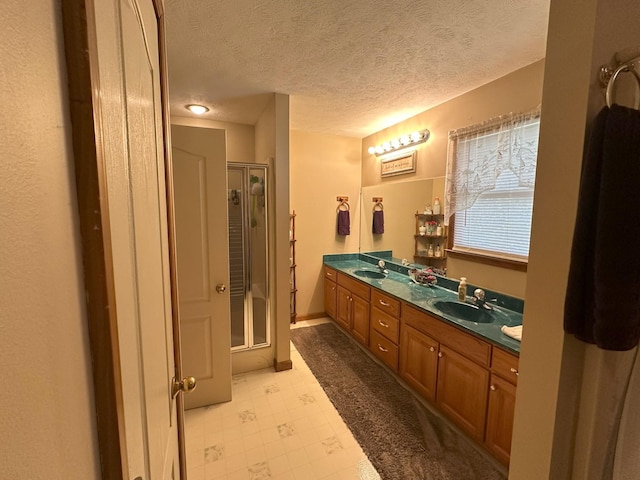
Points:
(221, 287)
(186, 385)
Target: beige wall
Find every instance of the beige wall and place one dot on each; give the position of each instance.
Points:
(322, 168)
(565, 422)
(47, 423)
(240, 138)
(519, 91)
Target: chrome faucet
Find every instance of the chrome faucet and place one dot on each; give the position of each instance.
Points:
(381, 266)
(478, 299)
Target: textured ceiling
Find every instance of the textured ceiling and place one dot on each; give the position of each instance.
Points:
(351, 67)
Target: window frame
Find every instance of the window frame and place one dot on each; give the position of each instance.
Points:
(487, 257)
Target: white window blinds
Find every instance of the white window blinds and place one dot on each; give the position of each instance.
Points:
(490, 180)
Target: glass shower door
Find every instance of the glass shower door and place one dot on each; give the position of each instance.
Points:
(248, 256)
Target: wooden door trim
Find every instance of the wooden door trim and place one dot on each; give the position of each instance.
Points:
(82, 69)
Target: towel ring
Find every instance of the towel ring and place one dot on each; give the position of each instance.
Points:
(622, 68)
(340, 207)
(378, 207)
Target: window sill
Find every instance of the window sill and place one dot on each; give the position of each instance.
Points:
(518, 265)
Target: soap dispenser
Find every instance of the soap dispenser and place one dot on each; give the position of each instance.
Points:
(462, 289)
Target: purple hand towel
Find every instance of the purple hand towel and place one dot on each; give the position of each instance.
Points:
(378, 222)
(602, 303)
(344, 223)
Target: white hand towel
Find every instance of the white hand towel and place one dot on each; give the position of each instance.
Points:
(513, 332)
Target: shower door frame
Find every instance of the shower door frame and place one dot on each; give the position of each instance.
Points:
(247, 256)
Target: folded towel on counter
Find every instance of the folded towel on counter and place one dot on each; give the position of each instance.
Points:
(602, 304)
(344, 222)
(513, 332)
(378, 222)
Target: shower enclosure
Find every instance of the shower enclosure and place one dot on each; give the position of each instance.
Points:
(248, 255)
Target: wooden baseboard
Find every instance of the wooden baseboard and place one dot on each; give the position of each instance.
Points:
(311, 316)
(282, 366)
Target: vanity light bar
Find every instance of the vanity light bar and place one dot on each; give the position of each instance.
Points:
(411, 139)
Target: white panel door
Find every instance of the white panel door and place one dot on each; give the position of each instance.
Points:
(200, 182)
(115, 58)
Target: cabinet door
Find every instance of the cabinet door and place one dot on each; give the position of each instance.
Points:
(419, 361)
(330, 297)
(360, 319)
(343, 307)
(502, 401)
(462, 391)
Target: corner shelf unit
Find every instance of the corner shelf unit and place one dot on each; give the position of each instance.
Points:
(292, 266)
(426, 240)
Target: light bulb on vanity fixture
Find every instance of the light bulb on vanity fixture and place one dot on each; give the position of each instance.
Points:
(412, 139)
(197, 109)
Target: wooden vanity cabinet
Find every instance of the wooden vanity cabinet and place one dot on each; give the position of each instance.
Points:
(352, 307)
(502, 401)
(330, 291)
(462, 391)
(419, 361)
(461, 370)
(472, 382)
(385, 328)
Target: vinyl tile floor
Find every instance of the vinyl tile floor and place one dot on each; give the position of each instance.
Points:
(278, 426)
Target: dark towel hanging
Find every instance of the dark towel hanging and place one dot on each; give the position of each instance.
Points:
(378, 222)
(602, 303)
(344, 223)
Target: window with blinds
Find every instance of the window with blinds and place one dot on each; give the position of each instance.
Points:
(498, 222)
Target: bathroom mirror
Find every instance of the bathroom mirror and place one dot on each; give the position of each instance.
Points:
(401, 201)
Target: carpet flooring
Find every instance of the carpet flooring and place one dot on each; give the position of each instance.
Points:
(403, 439)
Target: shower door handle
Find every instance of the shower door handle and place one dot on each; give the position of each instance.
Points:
(221, 288)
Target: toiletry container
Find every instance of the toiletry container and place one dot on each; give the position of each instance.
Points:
(436, 206)
(438, 252)
(430, 251)
(462, 289)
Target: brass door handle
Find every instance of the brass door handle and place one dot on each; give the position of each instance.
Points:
(221, 287)
(186, 385)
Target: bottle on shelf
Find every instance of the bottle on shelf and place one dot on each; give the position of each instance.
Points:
(437, 252)
(436, 206)
(430, 251)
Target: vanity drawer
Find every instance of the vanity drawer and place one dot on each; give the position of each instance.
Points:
(385, 324)
(385, 303)
(354, 286)
(384, 349)
(505, 365)
(330, 273)
(467, 345)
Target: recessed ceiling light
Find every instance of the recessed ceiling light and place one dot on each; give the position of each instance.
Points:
(197, 109)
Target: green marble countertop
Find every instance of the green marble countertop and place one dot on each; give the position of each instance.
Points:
(401, 287)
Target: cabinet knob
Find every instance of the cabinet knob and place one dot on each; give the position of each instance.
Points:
(493, 388)
(431, 349)
(513, 370)
(440, 355)
(351, 299)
